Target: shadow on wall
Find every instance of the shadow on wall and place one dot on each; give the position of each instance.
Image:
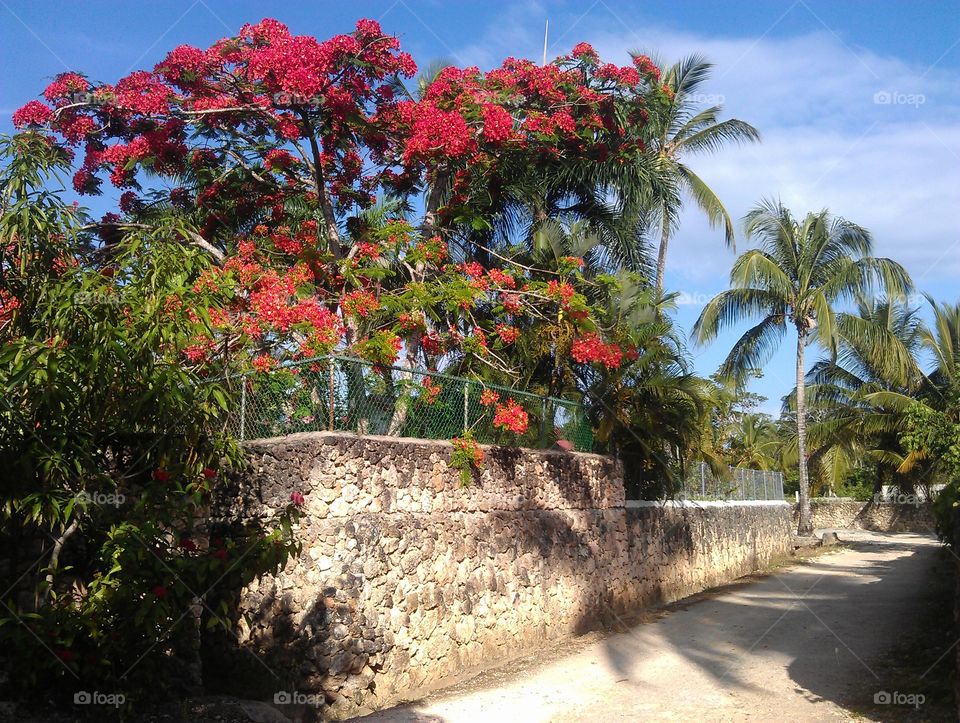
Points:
(408, 582)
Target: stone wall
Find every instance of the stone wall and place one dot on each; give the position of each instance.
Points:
(408, 581)
(844, 512)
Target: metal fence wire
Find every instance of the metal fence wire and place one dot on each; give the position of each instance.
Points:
(743, 484)
(346, 394)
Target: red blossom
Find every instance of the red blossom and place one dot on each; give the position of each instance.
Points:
(188, 544)
(263, 363)
(584, 51)
(488, 397)
(508, 334)
(497, 123)
(511, 416)
(359, 303)
(502, 278)
(33, 113)
(297, 498)
(430, 391)
(590, 348)
(561, 291)
(511, 303)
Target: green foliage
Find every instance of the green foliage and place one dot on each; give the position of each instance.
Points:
(466, 457)
(111, 449)
(934, 435)
(860, 484)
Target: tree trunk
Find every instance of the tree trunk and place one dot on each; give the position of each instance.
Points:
(662, 255)
(427, 229)
(805, 526)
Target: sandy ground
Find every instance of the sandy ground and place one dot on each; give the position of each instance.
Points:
(796, 645)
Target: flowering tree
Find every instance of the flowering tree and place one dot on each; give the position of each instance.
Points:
(274, 147)
(267, 213)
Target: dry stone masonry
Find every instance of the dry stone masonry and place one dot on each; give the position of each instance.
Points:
(847, 513)
(408, 581)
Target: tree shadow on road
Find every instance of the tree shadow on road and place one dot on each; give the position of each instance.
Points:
(826, 624)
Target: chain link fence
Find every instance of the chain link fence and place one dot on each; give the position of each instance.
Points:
(346, 394)
(743, 484)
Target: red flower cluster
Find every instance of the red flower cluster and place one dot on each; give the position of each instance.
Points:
(511, 303)
(502, 278)
(467, 456)
(590, 348)
(488, 397)
(584, 51)
(429, 391)
(647, 67)
(359, 303)
(497, 123)
(33, 113)
(437, 134)
(562, 291)
(474, 270)
(511, 416)
(508, 334)
(263, 363)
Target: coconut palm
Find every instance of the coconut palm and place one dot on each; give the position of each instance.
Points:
(876, 350)
(682, 129)
(942, 340)
(799, 273)
(939, 391)
(755, 443)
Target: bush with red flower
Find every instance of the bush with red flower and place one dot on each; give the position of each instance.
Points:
(510, 416)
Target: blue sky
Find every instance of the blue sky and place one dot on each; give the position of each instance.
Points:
(812, 76)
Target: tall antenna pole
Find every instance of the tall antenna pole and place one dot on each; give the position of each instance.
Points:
(546, 28)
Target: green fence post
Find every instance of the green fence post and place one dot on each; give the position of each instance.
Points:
(543, 422)
(330, 397)
(243, 407)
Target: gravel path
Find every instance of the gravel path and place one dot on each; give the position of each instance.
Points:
(796, 645)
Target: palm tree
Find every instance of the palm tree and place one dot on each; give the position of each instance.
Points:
(755, 444)
(801, 270)
(876, 350)
(943, 342)
(684, 128)
(939, 391)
